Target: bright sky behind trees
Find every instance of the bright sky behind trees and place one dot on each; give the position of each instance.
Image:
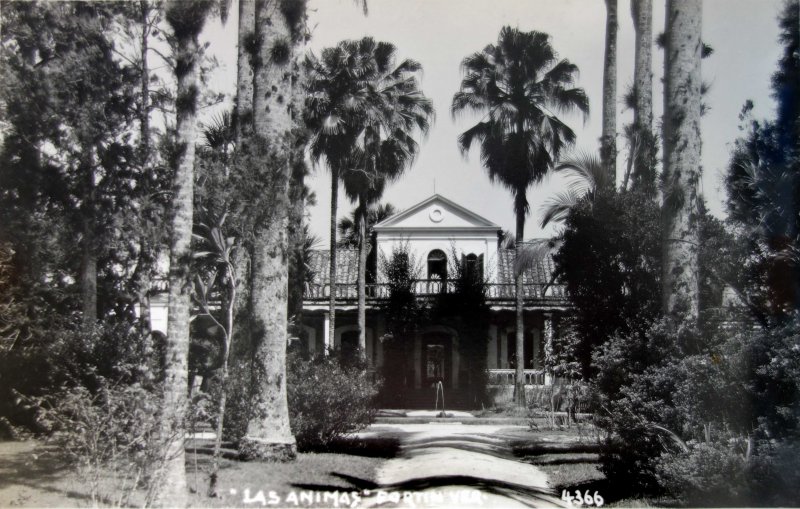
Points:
(440, 33)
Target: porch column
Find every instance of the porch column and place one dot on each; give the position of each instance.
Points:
(548, 347)
(326, 333)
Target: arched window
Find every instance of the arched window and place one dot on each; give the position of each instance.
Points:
(437, 265)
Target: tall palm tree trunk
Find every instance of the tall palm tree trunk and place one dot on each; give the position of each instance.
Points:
(268, 434)
(644, 176)
(244, 69)
(608, 148)
(519, 373)
(363, 243)
(244, 128)
(682, 170)
(332, 268)
(170, 490)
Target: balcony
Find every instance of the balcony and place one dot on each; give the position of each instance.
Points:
(429, 288)
(506, 377)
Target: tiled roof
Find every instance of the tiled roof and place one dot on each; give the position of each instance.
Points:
(346, 266)
(540, 273)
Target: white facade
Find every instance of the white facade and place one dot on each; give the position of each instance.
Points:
(440, 224)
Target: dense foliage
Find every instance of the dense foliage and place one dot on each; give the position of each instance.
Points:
(327, 399)
(463, 307)
(404, 314)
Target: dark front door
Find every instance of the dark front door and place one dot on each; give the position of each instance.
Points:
(437, 359)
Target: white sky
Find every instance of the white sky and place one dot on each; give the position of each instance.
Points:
(440, 33)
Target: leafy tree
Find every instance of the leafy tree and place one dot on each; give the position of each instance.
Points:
(403, 315)
(609, 259)
(763, 184)
(69, 103)
(518, 83)
(463, 307)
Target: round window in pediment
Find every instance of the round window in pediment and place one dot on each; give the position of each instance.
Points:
(436, 215)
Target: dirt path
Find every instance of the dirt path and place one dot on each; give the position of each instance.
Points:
(453, 465)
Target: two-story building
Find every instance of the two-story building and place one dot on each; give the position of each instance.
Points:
(434, 231)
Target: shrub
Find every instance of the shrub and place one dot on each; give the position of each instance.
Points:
(110, 436)
(706, 475)
(714, 474)
(327, 400)
(237, 403)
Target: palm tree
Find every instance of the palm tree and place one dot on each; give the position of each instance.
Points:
(518, 84)
(349, 225)
(269, 435)
(608, 141)
(642, 138)
(385, 147)
(186, 21)
(363, 112)
(588, 177)
(682, 107)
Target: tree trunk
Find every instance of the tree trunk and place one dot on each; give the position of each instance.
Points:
(170, 490)
(145, 258)
(644, 175)
(332, 268)
(223, 382)
(361, 218)
(519, 373)
(608, 142)
(244, 69)
(296, 239)
(88, 278)
(268, 434)
(682, 170)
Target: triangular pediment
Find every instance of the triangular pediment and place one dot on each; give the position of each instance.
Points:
(436, 212)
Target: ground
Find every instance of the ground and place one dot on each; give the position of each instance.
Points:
(425, 461)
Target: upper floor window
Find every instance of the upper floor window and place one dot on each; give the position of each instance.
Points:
(437, 265)
(473, 266)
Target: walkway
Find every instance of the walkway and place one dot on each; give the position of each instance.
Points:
(455, 465)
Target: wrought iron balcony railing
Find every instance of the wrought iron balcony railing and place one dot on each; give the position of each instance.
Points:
(432, 287)
(506, 377)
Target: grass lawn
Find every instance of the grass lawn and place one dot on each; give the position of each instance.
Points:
(32, 475)
(572, 472)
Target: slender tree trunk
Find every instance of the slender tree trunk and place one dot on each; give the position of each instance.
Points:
(296, 240)
(519, 373)
(244, 69)
(88, 278)
(144, 262)
(682, 169)
(170, 490)
(332, 268)
(268, 434)
(608, 142)
(363, 242)
(226, 350)
(643, 175)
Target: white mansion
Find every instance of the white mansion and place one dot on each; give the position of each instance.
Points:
(432, 231)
